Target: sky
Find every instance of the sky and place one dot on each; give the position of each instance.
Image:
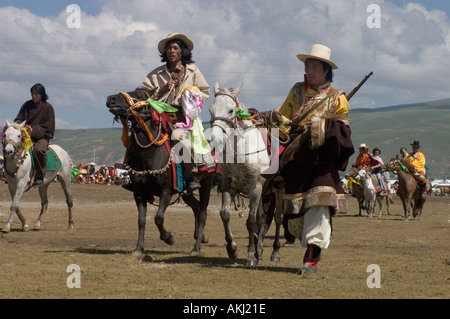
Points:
(108, 46)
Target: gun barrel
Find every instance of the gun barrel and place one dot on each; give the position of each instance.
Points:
(359, 85)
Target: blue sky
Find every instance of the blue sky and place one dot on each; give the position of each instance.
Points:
(254, 42)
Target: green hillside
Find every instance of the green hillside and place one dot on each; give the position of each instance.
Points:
(390, 128)
(387, 128)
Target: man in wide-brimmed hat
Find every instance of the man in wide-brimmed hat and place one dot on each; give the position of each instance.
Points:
(417, 159)
(317, 121)
(168, 83)
(363, 159)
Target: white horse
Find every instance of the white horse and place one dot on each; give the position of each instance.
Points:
(243, 158)
(19, 175)
(371, 195)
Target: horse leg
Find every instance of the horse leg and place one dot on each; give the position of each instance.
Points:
(65, 184)
(141, 203)
(44, 204)
(15, 195)
(164, 201)
(232, 248)
(260, 221)
(252, 227)
(275, 256)
(200, 214)
(380, 205)
(406, 207)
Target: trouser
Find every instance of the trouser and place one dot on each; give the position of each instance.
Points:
(314, 227)
(39, 151)
(189, 159)
(381, 181)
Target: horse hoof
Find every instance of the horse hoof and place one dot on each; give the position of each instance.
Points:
(275, 257)
(138, 255)
(195, 253)
(205, 239)
(5, 230)
(232, 251)
(25, 228)
(37, 226)
(252, 263)
(168, 239)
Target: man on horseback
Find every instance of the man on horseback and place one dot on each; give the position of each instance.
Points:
(363, 159)
(168, 83)
(376, 163)
(417, 159)
(321, 145)
(40, 123)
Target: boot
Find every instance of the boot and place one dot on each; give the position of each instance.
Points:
(310, 260)
(190, 182)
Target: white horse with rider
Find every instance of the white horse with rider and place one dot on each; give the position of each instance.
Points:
(19, 174)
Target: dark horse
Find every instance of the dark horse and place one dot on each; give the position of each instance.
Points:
(149, 162)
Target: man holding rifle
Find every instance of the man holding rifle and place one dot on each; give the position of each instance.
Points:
(316, 121)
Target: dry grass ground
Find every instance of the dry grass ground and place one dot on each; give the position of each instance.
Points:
(413, 256)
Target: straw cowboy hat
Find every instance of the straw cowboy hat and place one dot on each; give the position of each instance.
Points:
(415, 144)
(174, 35)
(363, 145)
(319, 52)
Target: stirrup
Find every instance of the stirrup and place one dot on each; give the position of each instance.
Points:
(192, 185)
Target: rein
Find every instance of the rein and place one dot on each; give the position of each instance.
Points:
(19, 149)
(233, 122)
(135, 104)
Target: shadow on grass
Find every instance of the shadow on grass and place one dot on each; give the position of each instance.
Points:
(223, 262)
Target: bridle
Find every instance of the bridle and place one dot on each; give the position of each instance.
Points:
(18, 150)
(136, 104)
(231, 122)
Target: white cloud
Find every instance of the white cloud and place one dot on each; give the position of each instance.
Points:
(254, 42)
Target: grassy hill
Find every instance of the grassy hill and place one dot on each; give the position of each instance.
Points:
(390, 128)
(387, 128)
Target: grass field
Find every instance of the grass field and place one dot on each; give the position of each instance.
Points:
(413, 257)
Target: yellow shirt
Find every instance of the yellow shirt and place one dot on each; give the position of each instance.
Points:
(418, 162)
(293, 102)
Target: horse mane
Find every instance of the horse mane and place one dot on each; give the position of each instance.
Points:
(409, 166)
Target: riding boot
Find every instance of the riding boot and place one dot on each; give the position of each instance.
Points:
(310, 260)
(188, 174)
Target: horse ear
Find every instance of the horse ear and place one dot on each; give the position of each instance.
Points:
(238, 90)
(7, 123)
(216, 88)
(23, 124)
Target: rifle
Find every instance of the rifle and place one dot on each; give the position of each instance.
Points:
(359, 85)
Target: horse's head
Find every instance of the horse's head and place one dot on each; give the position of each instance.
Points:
(121, 103)
(223, 112)
(393, 164)
(12, 138)
(223, 109)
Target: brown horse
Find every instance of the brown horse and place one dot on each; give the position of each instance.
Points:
(409, 190)
(443, 190)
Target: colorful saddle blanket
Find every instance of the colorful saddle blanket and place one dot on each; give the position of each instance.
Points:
(53, 161)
